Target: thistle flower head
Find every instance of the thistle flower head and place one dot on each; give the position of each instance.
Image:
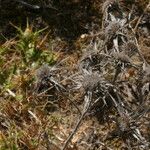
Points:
(112, 29)
(43, 72)
(43, 75)
(91, 81)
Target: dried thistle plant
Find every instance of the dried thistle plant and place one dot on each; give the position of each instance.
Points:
(45, 80)
(95, 84)
(93, 58)
(127, 121)
(127, 128)
(121, 61)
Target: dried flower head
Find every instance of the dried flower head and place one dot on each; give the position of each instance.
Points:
(129, 48)
(91, 81)
(43, 75)
(43, 72)
(111, 30)
(45, 79)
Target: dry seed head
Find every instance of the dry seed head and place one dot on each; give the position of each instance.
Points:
(45, 79)
(43, 72)
(129, 48)
(43, 75)
(91, 81)
(112, 29)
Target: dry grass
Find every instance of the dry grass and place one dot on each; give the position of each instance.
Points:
(62, 90)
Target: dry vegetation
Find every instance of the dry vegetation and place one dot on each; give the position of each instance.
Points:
(75, 75)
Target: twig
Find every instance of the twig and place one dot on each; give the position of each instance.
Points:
(71, 102)
(74, 131)
(87, 105)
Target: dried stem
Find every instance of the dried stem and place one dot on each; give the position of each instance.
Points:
(135, 28)
(74, 131)
(85, 110)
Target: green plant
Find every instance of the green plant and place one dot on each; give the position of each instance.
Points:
(28, 46)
